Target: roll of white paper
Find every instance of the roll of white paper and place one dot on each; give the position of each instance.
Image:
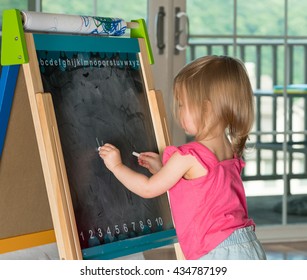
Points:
(48, 22)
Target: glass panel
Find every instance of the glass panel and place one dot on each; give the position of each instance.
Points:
(12, 4)
(251, 18)
(297, 20)
(263, 200)
(69, 7)
(210, 17)
(299, 74)
(128, 9)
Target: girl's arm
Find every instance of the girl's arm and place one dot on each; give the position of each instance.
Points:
(140, 184)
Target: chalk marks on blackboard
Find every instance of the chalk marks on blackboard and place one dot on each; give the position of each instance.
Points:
(101, 97)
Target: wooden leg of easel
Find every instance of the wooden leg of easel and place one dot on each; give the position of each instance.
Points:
(58, 190)
(161, 129)
(178, 252)
(159, 118)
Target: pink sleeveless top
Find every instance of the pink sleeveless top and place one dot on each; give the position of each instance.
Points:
(208, 209)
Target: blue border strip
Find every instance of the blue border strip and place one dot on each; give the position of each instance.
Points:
(130, 246)
(7, 89)
(78, 43)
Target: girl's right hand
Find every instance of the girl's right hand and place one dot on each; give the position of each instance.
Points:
(110, 155)
(151, 161)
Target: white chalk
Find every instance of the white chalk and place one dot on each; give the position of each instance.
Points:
(97, 141)
(136, 154)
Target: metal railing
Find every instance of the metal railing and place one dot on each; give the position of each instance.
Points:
(271, 135)
(266, 54)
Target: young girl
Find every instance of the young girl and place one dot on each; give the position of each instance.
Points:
(214, 103)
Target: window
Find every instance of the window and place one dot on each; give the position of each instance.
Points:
(128, 9)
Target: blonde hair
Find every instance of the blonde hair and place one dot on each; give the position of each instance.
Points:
(224, 82)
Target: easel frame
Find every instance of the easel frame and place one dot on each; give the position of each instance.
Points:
(52, 156)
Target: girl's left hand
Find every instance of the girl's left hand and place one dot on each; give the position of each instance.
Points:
(110, 155)
(151, 161)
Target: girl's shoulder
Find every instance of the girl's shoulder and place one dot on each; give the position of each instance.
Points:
(196, 149)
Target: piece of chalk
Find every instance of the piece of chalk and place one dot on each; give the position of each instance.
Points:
(136, 154)
(97, 141)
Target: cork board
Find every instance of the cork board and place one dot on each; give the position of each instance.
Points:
(24, 206)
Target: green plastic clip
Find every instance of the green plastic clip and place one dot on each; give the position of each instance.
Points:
(141, 32)
(13, 49)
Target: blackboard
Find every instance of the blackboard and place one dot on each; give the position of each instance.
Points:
(99, 95)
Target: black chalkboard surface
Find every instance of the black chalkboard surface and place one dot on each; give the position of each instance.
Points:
(99, 96)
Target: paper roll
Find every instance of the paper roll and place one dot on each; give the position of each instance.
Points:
(47, 22)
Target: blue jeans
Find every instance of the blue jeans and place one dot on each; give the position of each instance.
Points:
(242, 244)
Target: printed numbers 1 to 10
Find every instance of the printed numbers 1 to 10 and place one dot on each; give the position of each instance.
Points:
(139, 226)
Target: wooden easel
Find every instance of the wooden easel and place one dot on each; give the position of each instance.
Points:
(51, 153)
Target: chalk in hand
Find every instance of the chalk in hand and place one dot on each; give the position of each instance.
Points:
(99, 144)
(136, 154)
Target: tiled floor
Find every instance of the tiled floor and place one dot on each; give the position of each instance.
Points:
(286, 251)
